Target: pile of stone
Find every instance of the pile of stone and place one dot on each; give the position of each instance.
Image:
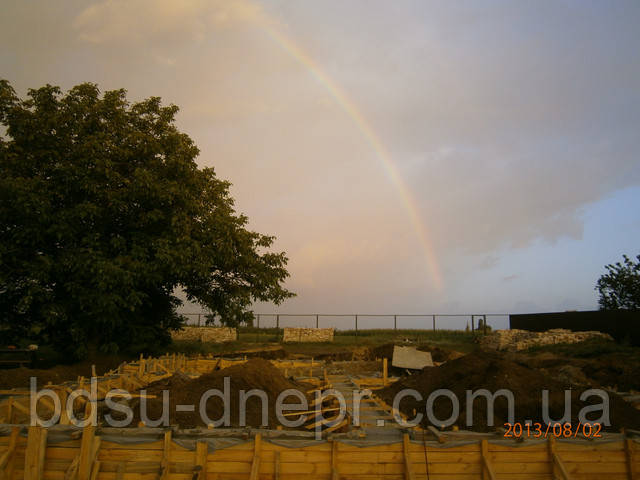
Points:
(307, 335)
(206, 334)
(515, 340)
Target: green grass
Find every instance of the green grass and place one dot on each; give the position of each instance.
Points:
(251, 337)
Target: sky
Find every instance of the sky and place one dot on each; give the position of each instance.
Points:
(411, 157)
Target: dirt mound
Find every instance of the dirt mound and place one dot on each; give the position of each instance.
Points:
(493, 372)
(20, 377)
(381, 351)
(440, 354)
(618, 371)
(256, 373)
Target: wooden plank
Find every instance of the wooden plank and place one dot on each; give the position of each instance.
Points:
(628, 449)
(64, 414)
(335, 475)
(18, 406)
(255, 464)
(487, 470)
(120, 471)
(556, 460)
(408, 471)
(94, 470)
(436, 433)
(276, 467)
(344, 422)
(385, 370)
(306, 412)
(86, 452)
(164, 465)
(10, 410)
(73, 469)
(34, 453)
(202, 450)
(321, 421)
(7, 456)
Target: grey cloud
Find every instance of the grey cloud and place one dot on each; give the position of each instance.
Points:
(506, 120)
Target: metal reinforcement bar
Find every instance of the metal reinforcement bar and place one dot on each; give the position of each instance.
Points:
(35, 453)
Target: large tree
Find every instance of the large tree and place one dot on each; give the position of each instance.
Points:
(619, 288)
(104, 214)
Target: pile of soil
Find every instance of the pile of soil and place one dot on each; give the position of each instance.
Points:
(494, 372)
(20, 377)
(618, 371)
(256, 373)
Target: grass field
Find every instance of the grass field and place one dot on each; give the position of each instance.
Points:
(249, 337)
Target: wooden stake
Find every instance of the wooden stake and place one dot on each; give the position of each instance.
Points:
(73, 469)
(10, 410)
(436, 433)
(120, 471)
(255, 464)
(165, 456)
(556, 460)
(408, 471)
(86, 452)
(202, 450)
(141, 365)
(94, 470)
(487, 468)
(7, 457)
(385, 374)
(34, 454)
(628, 448)
(335, 475)
(276, 467)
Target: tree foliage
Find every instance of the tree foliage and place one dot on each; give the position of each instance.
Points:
(104, 213)
(619, 288)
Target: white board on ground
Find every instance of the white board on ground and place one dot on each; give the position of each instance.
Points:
(410, 357)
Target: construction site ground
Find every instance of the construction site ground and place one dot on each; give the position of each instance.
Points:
(325, 445)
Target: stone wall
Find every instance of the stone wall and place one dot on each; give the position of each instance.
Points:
(514, 340)
(308, 335)
(206, 334)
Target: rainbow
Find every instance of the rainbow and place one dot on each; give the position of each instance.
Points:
(391, 169)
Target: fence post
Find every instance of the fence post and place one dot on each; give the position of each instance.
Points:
(277, 321)
(356, 325)
(258, 320)
(434, 322)
(199, 320)
(317, 321)
(472, 323)
(484, 324)
(395, 322)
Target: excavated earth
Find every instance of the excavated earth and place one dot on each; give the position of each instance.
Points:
(494, 372)
(256, 373)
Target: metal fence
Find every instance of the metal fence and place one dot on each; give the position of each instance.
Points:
(357, 321)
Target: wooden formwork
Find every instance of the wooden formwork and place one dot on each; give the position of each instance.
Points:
(29, 453)
(132, 376)
(89, 457)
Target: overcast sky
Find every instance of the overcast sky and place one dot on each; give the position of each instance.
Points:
(512, 128)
